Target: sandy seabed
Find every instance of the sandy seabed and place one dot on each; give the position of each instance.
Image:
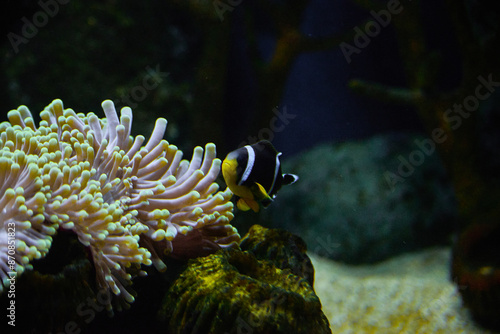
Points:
(411, 293)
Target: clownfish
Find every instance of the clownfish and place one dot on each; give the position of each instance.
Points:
(253, 174)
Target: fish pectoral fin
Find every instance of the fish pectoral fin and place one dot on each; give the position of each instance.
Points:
(259, 192)
(242, 205)
(290, 178)
(245, 204)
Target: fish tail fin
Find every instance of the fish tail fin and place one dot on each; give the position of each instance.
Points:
(290, 178)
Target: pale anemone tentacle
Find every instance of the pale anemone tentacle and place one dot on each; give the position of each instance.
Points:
(90, 176)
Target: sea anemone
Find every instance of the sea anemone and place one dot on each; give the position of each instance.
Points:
(126, 202)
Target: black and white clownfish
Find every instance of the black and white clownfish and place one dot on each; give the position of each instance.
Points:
(253, 174)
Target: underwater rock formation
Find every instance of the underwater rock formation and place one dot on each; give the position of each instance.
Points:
(476, 271)
(358, 202)
(235, 291)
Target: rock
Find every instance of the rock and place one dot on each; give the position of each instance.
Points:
(233, 292)
(361, 202)
(282, 248)
(244, 291)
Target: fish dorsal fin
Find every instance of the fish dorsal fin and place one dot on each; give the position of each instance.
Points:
(290, 178)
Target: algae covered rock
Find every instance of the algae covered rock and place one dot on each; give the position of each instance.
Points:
(362, 202)
(280, 247)
(235, 291)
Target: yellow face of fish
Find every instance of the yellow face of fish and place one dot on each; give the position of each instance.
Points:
(230, 174)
